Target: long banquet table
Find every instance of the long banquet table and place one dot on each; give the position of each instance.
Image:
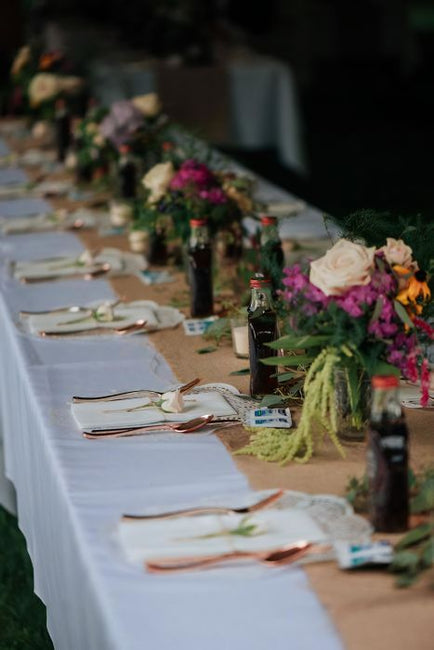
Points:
(71, 492)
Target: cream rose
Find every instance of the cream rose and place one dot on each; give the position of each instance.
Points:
(157, 180)
(71, 161)
(172, 402)
(99, 140)
(345, 265)
(41, 130)
(149, 105)
(21, 59)
(397, 252)
(43, 86)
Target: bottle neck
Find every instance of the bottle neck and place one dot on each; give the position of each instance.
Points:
(269, 233)
(261, 299)
(199, 236)
(385, 404)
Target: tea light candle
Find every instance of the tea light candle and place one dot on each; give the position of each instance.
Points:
(240, 340)
(139, 241)
(121, 213)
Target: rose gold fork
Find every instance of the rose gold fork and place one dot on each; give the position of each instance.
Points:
(209, 510)
(277, 557)
(138, 326)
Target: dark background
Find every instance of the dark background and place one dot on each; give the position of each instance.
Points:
(364, 71)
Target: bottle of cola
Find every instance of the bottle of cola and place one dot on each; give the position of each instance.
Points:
(387, 458)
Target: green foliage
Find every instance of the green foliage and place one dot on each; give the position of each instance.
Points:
(22, 615)
(243, 371)
(207, 350)
(218, 331)
(414, 552)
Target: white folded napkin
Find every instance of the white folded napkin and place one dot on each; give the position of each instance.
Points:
(113, 415)
(142, 541)
(46, 221)
(65, 266)
(156, 317)
(12, 176)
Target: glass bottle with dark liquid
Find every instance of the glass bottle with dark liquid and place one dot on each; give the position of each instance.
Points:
(387, 458)
(200, 269)
(63, 129)
(127, 173)
(262, 325)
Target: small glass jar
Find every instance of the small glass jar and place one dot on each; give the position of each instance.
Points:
(353, 411)
(121, 213)
(139, 241)
(240, 336)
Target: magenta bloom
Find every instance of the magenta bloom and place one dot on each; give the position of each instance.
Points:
(120, 125)
(215, 195)
(192, 172)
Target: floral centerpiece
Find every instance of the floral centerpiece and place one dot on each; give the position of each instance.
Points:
(356, 310)
(93, 152)
(194, 190)
(138, 122)
(39, 80)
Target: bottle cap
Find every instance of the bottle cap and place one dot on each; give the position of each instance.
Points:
(385, 381)
(258, 281)
(268, 220)
(194, 223)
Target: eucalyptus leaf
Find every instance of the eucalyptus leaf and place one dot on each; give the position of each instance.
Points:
(207, 350)
(404, 560)
(270, 401)
(295, 360)
(291, 342)
(414, 536)
(243, 371)
(402, 313)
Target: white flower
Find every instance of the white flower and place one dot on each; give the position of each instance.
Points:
(105, 312)
(397, 252)
(91, 128)
(86, 258)
(344, 266)
(99, 140)
(157, 180)
(71, 160)
(41, 130)
(43, 86)
(21, 59)
(120, 213)
(149, 105)
(172, 402)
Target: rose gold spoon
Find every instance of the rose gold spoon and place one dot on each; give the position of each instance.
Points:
(277, 557)
(177, 427)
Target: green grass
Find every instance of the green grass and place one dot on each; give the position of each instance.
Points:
(22, 614)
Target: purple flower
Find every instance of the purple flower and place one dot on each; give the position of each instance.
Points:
(121, 123)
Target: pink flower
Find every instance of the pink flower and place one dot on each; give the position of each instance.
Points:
(424, 382)
(192, 172)
(214, 195)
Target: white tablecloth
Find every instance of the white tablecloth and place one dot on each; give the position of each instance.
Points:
(71, 491)
(264, 109)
